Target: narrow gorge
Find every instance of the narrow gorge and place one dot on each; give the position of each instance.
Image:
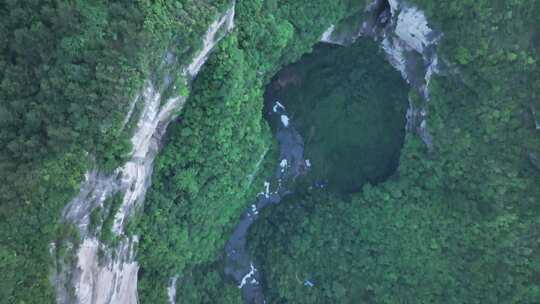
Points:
(269, 151)
(106, 272)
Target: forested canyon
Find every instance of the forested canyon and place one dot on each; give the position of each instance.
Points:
(269, 151)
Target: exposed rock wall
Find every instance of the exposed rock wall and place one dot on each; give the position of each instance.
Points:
(535, 118)
(328, 37)
(410, 45)
(171, 290)
(108, 274)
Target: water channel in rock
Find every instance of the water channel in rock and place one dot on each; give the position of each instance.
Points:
(338, 115)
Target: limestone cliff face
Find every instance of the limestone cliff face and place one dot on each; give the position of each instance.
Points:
(103, 273)
(410, 44)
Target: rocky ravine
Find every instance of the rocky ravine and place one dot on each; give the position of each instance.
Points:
(403, 33)
(410, 46)
(112, 277)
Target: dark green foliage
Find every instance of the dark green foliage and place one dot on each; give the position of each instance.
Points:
(65, 78)
(459, 225)
(28, 226)
(178, 25)
(349, 106)
(54, 55)
(203, 176)
(68, 71)
(276, 32)
(205, 284)
(398, 242)
(381, 248)
(104, 217)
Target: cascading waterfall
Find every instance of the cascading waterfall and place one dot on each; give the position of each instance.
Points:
(113, 279)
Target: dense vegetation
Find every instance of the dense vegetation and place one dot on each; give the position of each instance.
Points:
(349, 106)
(201, 181)
(458, 225)
(68, 72)
(204, 284)
(202, 173)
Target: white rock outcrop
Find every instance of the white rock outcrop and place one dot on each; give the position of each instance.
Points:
(327, 35)
(109, 275)
(171, 290)
(409, 43)
(412, 28)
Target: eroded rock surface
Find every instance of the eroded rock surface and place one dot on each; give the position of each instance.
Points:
(410, 44)
(108, 274)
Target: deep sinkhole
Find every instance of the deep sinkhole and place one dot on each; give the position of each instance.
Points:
(349, 106)
(339, 117)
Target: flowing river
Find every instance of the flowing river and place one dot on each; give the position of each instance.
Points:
(238, 263)
(340, 127)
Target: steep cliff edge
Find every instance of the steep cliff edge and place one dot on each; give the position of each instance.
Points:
(107, 272)
(465, 196)
(410, 44)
